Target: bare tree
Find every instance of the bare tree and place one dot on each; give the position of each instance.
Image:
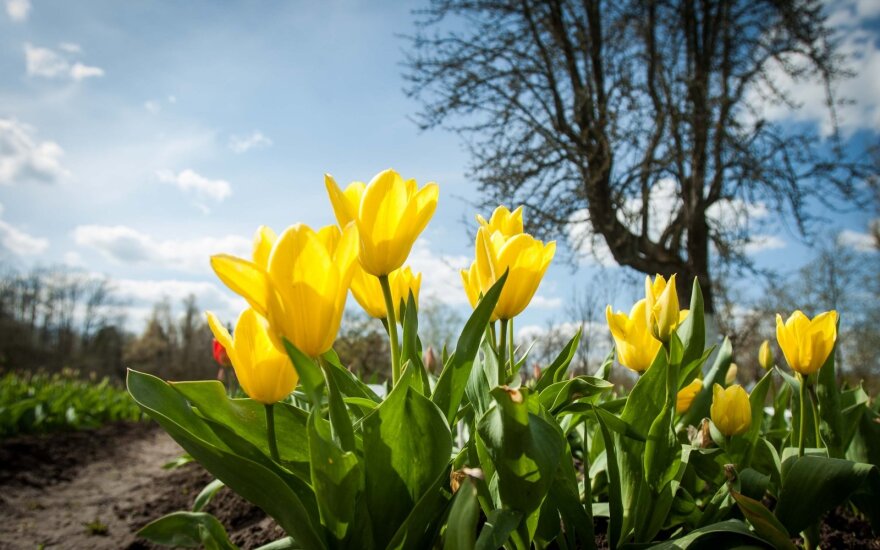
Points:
(586, 111)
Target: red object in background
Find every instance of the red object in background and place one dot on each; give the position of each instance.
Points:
(220, 354)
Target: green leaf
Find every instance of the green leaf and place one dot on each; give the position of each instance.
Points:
(732, 533)
(565, 497)
(813, 485)
(407, 444)
(411, 349)
(451, 385)
(692, 331)
(205, 495)
(340, 421)
(419, 530)
(500, 523)
(765, 523)
(483, 377)
(556, 370)
(831, 420)
(337, 479)
(756, 400)
(309, 372)
(560, 394)
(615, 499)
(461, 528)
(349, 384)
(524, 447)
(246, 418)
(189, 530)
(255, 477)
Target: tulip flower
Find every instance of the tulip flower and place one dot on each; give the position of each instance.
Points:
(219, 352)
(636, 347)
(525, 258)
(265, 373)
(391, 213)
(345, 203)
(765, 355)
(504, 221)
(661, 307)
(730, 377)
(303, 289)
(264, 239)
(368, 292)
(731, 411)
(686, 396)
(806, 344)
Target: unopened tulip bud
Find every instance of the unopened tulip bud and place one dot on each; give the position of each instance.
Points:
(731, 411)
(765, 355)
(730, 378)
(661, 307)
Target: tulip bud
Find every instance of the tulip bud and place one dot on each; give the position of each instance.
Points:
(806, 344)
(661, 307)
(765, 355)
(731, 411)
(730, 378)
(635, 346)
(430, 359)
(686, 396)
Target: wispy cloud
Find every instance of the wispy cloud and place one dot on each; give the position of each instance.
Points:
(18, 10)
(18, 242)
(24, 158)
(127, 245)
(192, 182)
(47, 63)
(243, 144)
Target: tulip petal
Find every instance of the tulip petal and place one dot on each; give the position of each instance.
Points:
(244, 278)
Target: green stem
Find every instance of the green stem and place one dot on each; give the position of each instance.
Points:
(814, 404)
(494, 337)
(502, 360)
(510, 350)
(392, 329)
(803, 397)
(270, 431)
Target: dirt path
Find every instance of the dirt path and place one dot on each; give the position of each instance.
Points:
(51, 488)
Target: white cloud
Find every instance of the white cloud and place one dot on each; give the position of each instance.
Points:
(152, 106)
(543, 302)
(141, 295)
(18, 242)
(129, 246)
(81, 72)
(18, 10)
(663, 203)
(862, 242)
(24, 158)
(191, 182)
(70, 47)
(242, 144)
(441, 279)
(47, 63)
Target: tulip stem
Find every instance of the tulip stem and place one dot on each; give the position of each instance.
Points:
(502, 350)
(270, 431)
(510, 350)
(803, 396)
(814, 404)
(392, 329)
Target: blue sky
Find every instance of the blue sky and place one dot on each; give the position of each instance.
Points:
(139, 137)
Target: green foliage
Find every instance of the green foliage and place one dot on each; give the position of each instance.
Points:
(41, 402)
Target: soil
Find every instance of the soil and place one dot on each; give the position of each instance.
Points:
(54, 487)
(96, 488)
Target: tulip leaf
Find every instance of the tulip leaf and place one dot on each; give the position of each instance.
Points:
(340, 421)
(187, 530)
(615, 498)
(349, 384)
(500, 523)
(558, 395)
(831, 420)
(411, 349)
(795, 403)
(456, 371)
(337, 479)
(813, 485)
(420, 528)
(255, 477)
(483, 377)
(309, 372)
(765, 523)
(407, 444)
(461, 527)
(732, 533)
(206, 494)
(556, 370)
(565, 497)
(524, 447)
(246, 418)
(692, 330)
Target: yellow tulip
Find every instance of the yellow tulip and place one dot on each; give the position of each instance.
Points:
(686, 396)
(731, 411)
(265, 374)
(368, 292)
(503, 220)
(524, 257)
(391, 214)
(807, 344)
(636, 347)
(474, 285)
(730, 377)
(303, 289)
(661, 307)
(765, 355)
(264, 239)
(345, 203)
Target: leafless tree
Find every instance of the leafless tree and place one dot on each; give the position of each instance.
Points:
(586, 110)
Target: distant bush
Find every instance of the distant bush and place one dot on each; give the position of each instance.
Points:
(36, 403)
